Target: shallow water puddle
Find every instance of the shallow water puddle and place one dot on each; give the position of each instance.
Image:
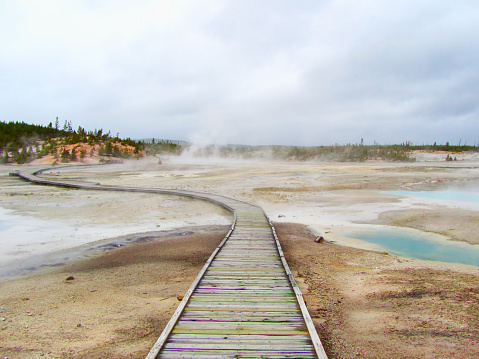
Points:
(450, 195)
(418, 245)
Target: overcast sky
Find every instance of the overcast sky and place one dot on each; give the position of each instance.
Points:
(249, 72)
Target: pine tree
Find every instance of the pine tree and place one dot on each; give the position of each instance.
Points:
(73, 155)
(65, 155)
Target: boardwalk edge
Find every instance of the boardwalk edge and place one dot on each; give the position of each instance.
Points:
(318, 346)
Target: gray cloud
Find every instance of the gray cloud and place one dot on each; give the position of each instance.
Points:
(302, 72)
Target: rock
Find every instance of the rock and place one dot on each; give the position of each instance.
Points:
(180, 298)
(319, 239)
(70, 278)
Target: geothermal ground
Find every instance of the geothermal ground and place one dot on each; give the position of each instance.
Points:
(132, 255)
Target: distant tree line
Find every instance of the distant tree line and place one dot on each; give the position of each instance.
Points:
(440, 147)
(360, 152)
(21, 142)
(155, 147)
(342, 153)
(18, 134)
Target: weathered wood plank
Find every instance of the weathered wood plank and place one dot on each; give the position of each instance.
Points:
(238, 305)
(242, 338)
(274, 281)
(265, 317)
(245, 269)
(226, 331)
(234, 325)
(199, 298)
(232, 309)
(237, 354)
(267, 292)
(302, 348)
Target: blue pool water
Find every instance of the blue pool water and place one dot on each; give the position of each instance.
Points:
(462, 196)
(420, 246)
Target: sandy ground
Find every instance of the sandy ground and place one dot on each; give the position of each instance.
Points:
(364, 303)
(115, 307)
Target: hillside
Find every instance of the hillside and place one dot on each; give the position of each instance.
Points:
(26, 143)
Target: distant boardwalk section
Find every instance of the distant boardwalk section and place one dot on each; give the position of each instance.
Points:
(244, 303)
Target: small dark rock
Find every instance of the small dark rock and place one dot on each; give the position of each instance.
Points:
(319, 239)
(70, 278)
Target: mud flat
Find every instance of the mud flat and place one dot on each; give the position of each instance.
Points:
(42, 226)
(364, 303)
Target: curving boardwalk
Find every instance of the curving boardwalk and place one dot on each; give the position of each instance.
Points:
(244, 303)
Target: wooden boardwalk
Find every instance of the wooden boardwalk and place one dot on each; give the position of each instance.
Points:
(244, 303)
